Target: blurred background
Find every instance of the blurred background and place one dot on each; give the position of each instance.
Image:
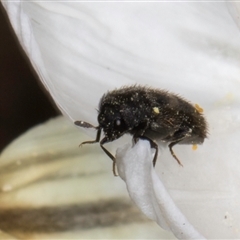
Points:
(23, 101)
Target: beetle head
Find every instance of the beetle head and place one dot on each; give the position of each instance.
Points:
(112, 122)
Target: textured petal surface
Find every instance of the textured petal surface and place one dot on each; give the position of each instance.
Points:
(51, 189)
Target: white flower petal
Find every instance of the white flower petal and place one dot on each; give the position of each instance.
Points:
(234, 9)
(148, 192)
(97, 46)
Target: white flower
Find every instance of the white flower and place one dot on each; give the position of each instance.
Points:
(82, 49)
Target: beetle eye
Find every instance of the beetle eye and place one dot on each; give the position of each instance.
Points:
(118, 122)
(119, 125)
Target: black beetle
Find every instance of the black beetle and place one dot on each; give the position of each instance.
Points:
(147, 113)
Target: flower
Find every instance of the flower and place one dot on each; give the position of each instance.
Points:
(82, 49)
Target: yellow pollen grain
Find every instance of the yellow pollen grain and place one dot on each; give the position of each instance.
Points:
(156, 110)
(199, 109)
(194, 147)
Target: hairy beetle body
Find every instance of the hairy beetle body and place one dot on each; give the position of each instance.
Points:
(148, 113)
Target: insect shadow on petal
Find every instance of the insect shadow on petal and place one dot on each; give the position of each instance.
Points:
(147, 113)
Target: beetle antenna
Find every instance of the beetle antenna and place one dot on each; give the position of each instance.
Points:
(85, 124)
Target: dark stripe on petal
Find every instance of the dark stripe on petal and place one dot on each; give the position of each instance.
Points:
(65, 218)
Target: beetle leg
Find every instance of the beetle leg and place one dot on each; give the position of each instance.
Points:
(172, 152)
(94, 141)
(152, 144)
(177, 137)
(103, 141)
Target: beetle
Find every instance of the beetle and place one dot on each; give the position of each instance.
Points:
(147, 113)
